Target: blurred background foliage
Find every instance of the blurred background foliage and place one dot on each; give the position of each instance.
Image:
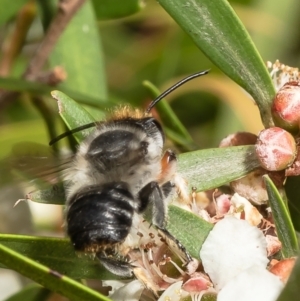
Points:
(147, 45)
(107, 54)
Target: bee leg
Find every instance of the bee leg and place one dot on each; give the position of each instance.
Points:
(175, 245)
(152, 194)
(168, 166)
(115, 266)
(167, 188)
(168, 173)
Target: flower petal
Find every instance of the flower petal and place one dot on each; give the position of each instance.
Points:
(173, 292)
(232, 247)
(255, 283)
(252, 215)
(131, 291)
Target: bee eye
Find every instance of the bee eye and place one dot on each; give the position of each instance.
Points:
(159, 127)
(152, 127)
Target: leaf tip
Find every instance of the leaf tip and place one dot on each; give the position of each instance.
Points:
(55, 95)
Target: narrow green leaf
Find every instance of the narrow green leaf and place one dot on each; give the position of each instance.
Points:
(291, 290)
(51, 279)
(292, 188)
(56, 253)
(210, 168)
(188, 228)
(73, 114)
(11, 8)
(218, 32)
(170, 119)
(31, 292)
(109, 9)
(185, 145)
(283, 223)
(79, 52)
(21, 85)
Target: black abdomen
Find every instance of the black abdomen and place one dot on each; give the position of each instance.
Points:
(100, 215)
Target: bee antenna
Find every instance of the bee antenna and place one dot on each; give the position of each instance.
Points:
(70, 132)
(174, 87)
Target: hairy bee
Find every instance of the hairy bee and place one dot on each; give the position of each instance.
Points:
(118, 173)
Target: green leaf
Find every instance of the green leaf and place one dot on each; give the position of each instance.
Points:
(185, 144)
(49, 278)
(109, 9)
(292, 188)
(283, 223)
(291, 290)
(210, 168)
(218, 32)
(188, 228)
(175, 128)
(31, 292)
(73, 114)
(21, 85)
(56, 253)
(79, 52)
(9, 9)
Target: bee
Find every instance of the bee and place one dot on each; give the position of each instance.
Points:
(118, 173)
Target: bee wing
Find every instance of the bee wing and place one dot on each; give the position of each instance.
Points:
(35, 163)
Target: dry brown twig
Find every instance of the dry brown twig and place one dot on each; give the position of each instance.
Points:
(66, 10)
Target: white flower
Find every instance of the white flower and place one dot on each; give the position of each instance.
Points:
(255, 283)
(131, 291)
(232, 247)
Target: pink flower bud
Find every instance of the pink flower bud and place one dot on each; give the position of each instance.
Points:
(286, 107)
(275, 148)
